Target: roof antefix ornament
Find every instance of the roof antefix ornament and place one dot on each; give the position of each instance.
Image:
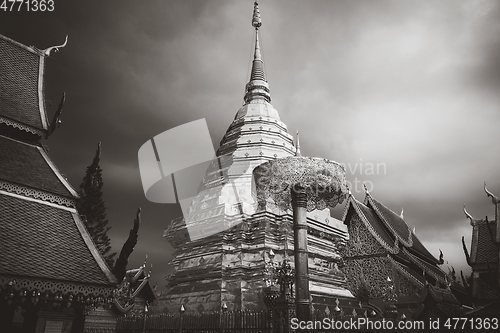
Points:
(494, 198)
(128, 247)
(56, 121)
(47, 51)
(466, 252)
(470, 217)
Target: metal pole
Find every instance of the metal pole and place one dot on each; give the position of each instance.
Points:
(181, 312)
(144, 317)
(299, 204)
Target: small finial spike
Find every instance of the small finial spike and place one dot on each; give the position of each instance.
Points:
(366, 189)
(402, 212)
(297, 147)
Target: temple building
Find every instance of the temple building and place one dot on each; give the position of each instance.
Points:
(223, 246)
(50, 268)
(483, 286)
(52, 276)
(389, 269)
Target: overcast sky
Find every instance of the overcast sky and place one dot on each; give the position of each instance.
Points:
(411, 86)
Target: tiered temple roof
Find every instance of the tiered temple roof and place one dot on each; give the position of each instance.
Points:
(47, 255)
(387, 264)
(484, 284)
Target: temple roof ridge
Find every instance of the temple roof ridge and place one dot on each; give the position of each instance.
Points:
(385, 222)
(399, 228)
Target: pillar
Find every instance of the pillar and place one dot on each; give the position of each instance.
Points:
(299, 204)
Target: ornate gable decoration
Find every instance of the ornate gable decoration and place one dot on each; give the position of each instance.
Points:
(360, 216)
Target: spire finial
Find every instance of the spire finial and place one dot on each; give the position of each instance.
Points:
(257, 88)
(256, 21)
(297, 147)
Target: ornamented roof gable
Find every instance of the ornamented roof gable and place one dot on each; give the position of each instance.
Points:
(372, 222)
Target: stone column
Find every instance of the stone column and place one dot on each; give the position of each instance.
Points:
(299, 204)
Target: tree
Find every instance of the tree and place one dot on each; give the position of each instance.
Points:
(93, 210)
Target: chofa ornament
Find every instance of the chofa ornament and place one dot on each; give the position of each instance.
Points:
(323, 180)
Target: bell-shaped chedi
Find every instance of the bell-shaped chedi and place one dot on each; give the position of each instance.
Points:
(225, 262)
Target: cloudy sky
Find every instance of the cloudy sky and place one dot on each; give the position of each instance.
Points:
(411, 86)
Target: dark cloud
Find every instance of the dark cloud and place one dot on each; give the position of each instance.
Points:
(412, 85)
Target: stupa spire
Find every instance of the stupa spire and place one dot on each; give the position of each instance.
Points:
(297, 146)
(257, 88)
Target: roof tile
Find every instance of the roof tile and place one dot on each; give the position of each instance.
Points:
(43, 241)
(24, 164)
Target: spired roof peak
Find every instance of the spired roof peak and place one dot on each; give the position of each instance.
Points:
(257, 132)
(257, 88)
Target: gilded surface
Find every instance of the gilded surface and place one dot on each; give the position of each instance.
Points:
(323, 180)
(361, 242)
(368, 276)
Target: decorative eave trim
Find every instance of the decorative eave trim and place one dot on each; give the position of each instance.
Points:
(57, 172)
(392, 249)
(20, 126)
(44, 285)
(418, 262)
(93, 249)
(31, 49)
(346, 207)
(140, 287)
(41, 93)
(409, 241)
(474, 243)
(403, 271)
(45, 198)
(122, 309)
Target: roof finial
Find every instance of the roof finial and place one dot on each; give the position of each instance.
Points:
(257, 87)
(256, 21)
(47, 51)
(297, 147)
(468, 215)
(366, 189)
(491, 195)
(402, 211)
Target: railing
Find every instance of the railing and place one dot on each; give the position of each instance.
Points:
(209, 322)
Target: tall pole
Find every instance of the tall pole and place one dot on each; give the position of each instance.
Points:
(299, 204)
